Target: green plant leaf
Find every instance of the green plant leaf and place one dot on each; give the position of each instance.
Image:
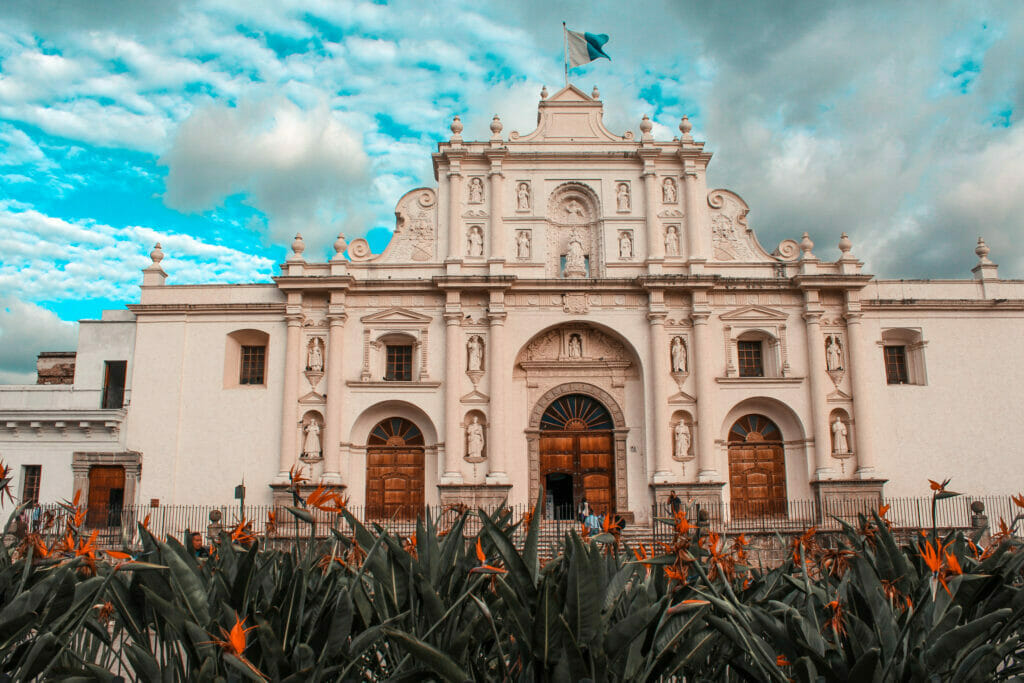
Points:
(430, 656)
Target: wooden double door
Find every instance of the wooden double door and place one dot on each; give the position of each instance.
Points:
(106, 495)
(757, 468)
(586, 459)
(394, 470)
(577, 454)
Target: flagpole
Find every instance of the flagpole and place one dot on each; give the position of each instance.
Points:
(565, 52)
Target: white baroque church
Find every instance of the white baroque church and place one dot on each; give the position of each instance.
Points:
(570, 310)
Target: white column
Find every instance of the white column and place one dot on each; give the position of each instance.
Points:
(335, 389)
(818, 397)
(659, 379)
(860, 362)
(455, 246)
(453, 355)
(497, 228)
(705, 380)
(497, 420)
(290, 396)
(655, 240)
(698, 231)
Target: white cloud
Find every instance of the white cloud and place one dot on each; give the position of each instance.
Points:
(52, 259)
(24, 328)
(301, 168)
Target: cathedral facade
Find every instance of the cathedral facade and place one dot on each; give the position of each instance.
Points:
(570, 311)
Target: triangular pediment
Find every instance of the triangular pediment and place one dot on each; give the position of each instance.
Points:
(313, 398)
(396, 316)
(570, 93)
(753, 313)
(682, 398)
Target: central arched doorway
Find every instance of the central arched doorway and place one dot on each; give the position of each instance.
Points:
(394, 469)
(577, 455)
(757, 468)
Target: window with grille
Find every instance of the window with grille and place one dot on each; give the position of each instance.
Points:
(30, 477)
(896, 365)
(253, 363)
(749, 353)
(399, 363)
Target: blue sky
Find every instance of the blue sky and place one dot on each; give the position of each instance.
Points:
(222, 127)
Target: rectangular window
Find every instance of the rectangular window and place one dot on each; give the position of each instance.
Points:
(399, 367)
(253, 362)
(750, 359)
(113, 384)
(896, 365)
(30, 478)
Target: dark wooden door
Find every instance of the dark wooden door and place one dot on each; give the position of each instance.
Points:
(757, 468)
(394, 470)
(588, 458)
(106, 495)
(394, 482)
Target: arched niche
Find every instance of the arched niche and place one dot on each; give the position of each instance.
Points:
(574, 211)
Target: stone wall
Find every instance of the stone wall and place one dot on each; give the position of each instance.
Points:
(55, 367)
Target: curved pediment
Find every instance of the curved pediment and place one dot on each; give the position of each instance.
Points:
(732, 240)
(415, 236)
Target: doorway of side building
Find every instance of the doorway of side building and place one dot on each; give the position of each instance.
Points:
(394, 470)
(106, 496)
(577, 454)
(757, 468)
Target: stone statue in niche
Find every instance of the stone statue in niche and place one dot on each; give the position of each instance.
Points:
(475, 240)
(475, 439)
(523, 197)
(475, 351)
(311, 447)
(622, 197)
(523, 245)
(625, 246)
(668, 191)
(476, 191)
(671, 241)
(575, 346)
(682, 434)
(315, 357)
(575, 261)
(833, 354)
(839, 442)
(678, 355)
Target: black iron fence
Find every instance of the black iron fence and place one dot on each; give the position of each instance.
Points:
(117, 526)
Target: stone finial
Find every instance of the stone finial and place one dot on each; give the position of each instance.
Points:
(456, 128)
(298, 246)
(496, 127)
(595, 93)
(646, 126)
(157, 254)
(153, 275)
(544, 92)
(685, 127)
(806, 245)
(340, 245)
(845, 245)
(982, 251)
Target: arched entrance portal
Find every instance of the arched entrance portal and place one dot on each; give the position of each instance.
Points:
(577, 455)
(394, 469)
(757, 468)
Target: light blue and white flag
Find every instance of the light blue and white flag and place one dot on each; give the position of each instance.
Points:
(584, 47)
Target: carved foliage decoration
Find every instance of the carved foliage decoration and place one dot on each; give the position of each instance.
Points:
(583, 343)
(730, 238)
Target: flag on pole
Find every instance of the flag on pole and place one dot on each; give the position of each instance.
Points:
(584, 47)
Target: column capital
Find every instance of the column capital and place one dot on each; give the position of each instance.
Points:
(853, 317)
(453, 318)
(812, 317)
(657, 317)
(337, 319)
(294, 319)
(700, 317)
(497, 317)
